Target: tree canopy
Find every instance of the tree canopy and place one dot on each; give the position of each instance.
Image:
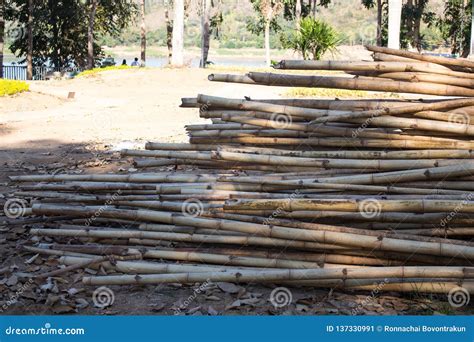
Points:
(60, 28)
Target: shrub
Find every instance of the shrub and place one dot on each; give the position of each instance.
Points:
(10, 87)
(314, 38)
(95, 71)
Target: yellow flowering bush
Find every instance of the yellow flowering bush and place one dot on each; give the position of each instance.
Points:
(95, 71)
(10, 87)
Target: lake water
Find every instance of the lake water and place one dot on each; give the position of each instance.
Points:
(156, 62)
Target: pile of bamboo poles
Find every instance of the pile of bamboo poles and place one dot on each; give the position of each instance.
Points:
(327, 193)
(391, 71)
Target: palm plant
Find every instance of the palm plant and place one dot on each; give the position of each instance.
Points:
(313, 39)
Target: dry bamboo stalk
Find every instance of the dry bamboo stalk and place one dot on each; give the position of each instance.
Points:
(291, 204)
(397, 110)
(429, 125)
(228, 259)
(331, 131)
(155, 268)
(360, 84)
(469, 110)
(166, 154)
(384, 67)
(290, 274)
(431, 287)
(231, 78)
(314, 184)
(182, 237)
(217, 115)
(430, 78)
(325, 227)
(343, 142)
(450, 62)
(211, 101)
(356, 154)
(259, 132)
(355, 240)
(177, 147)
(444, 116)
(383, 57)
(442, 232)
(134, 267)
(133, 178)
(220, 127)
(375, 164)
(462, 169)
(357, 105)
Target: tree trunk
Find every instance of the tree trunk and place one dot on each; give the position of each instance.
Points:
(143, 33)
(29, 55)
(315, 3)
(379, 22)
(177, 58)
(394, 19)
(205, 32)
(169, 33)
(472, 31)
(2, 34)
(298, 14)
(267, 43)
(416, 33)
(90, 35)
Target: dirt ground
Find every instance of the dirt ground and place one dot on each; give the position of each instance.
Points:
(44, 131)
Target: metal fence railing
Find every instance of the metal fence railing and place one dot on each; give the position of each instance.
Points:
(14, 72)
(18, 72)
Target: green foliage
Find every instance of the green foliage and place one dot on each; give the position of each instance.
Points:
(313, 39)
(9, 87)
(60, 28)
(413, 14)
(370, 4)
(455, 26)
(95, 71)
(258, 26)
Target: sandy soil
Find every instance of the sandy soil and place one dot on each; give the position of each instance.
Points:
(111, 107)
(43, 131)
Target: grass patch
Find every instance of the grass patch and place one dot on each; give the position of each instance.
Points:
(96, 71)
(11, 87)
(339, 93)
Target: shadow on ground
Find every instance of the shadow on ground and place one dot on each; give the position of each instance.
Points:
(66, 294)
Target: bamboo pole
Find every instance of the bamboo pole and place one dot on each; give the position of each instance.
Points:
(360, 84)
(430, 78)
(291, 204)
(386, 66)
(355, 240)
(426, 58)
(307, 274)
